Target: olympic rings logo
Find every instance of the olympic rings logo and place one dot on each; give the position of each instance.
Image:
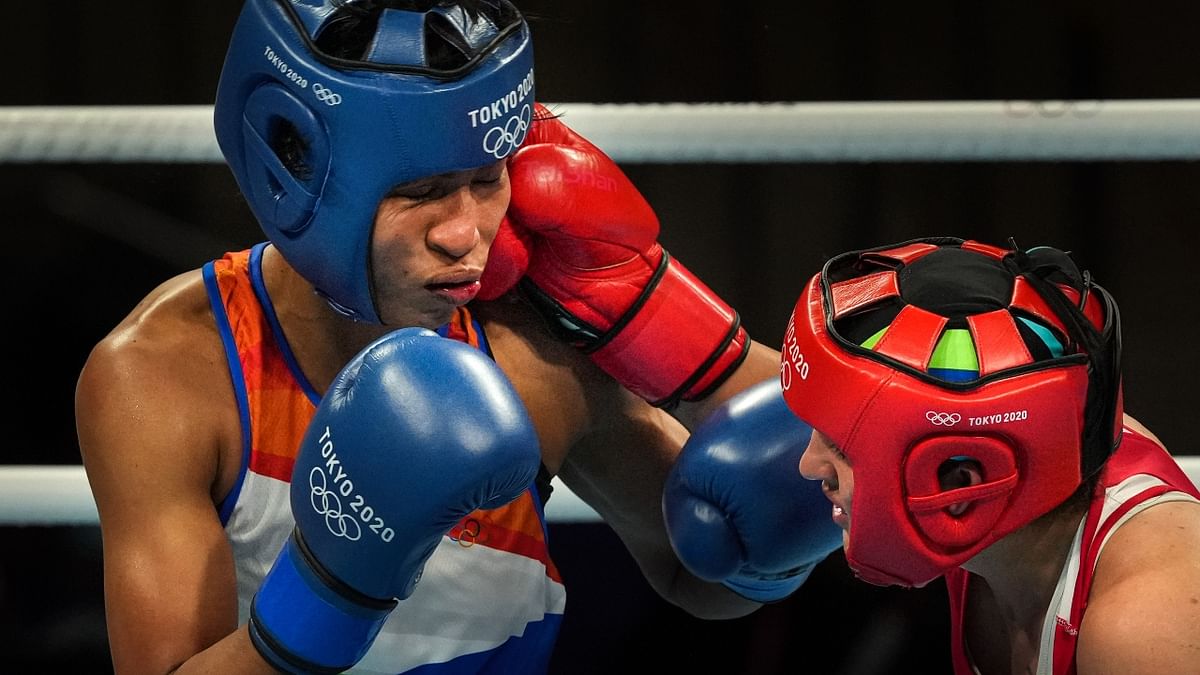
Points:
(942, 419)
(500, 141)
(326, 503)
(468, 533)
(325, 94)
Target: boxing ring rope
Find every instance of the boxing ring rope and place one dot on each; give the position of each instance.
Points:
(912, 131)
(60, 495)
(1095, 130)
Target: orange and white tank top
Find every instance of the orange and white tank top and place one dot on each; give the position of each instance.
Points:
(490, 599)
(1139, 475)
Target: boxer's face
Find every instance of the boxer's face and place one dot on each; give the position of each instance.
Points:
(431, 241)
(824, 461)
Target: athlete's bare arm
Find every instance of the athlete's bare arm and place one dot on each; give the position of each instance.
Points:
(610, 447)
(1143, 613)
(762, 363)
(620, 469)
(153, 411)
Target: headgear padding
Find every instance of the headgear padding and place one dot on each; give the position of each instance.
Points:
(401, 111)
(1036, 420)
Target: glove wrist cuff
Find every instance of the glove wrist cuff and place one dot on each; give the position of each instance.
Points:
(298, 623)
(768, 589)
(680, 341)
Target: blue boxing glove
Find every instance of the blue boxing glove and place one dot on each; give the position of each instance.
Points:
(737, 509)
(415, 432)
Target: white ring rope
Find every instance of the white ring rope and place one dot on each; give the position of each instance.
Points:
(60, 495)
(1116, 130)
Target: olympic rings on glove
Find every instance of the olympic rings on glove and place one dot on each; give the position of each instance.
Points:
(326, 503)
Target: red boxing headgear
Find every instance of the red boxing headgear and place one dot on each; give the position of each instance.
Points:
(1036, 422)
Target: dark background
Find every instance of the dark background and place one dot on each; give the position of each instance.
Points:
(86, 242)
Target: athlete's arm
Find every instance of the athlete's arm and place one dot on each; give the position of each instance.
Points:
(148, 407)
(619, 469)
(761, 363)
(1143, 614)
(608, 445)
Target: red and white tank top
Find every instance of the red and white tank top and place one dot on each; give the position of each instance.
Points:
(1139, 475)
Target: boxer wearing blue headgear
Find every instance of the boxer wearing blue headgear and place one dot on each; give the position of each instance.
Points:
(310, 481)
(456, 96)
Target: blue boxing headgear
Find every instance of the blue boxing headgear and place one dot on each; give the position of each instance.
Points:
(436, 91)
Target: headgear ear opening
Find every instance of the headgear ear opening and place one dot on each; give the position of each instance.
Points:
(292, 195)
(1039, 388)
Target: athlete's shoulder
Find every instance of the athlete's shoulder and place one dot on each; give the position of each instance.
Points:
(524, 346)
(162, 367)
(1140, 429)
(172, 323)
(1144, 585)
(1143, 612)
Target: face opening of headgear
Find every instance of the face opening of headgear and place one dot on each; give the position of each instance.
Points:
(325, 105)
(915, 356)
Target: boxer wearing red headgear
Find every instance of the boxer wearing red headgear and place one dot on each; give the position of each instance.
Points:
(966, 402)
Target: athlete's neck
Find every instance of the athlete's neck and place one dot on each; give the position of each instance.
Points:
(1022, 569)
(321, 339)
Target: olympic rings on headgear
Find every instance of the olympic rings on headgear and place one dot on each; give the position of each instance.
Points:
(501, 141)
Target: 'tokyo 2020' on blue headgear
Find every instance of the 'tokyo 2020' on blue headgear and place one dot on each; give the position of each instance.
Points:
(439, 88)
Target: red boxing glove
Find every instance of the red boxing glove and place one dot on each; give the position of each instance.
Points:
(507, 261)
(508, 258)
(598, 273)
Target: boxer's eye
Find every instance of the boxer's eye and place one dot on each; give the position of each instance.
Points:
(415, 191)
(491, 174)
(833, 448)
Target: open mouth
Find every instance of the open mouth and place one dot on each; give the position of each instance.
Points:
(458, 293)
(840, 517)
